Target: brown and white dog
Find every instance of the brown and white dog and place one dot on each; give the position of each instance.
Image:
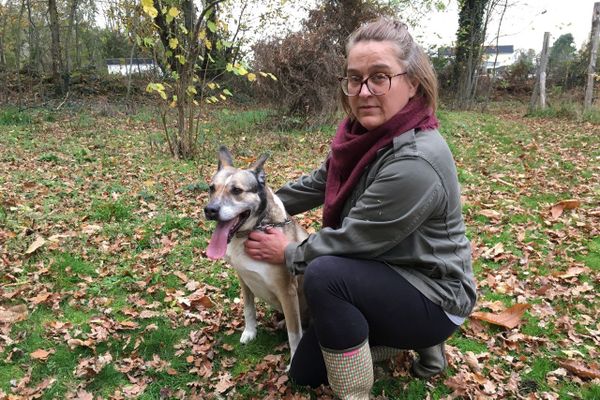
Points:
(240, 201)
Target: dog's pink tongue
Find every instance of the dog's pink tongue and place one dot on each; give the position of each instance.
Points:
(218, 242)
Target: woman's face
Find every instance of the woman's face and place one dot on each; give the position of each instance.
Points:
(370, 57)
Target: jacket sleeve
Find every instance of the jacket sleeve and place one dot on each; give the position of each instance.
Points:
(402, 196)
(306, 193)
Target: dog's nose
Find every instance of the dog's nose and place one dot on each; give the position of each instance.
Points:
(211, 211)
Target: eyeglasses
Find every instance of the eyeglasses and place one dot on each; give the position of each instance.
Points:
(378, 84)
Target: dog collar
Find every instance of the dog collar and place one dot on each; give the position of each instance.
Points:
(263, 227)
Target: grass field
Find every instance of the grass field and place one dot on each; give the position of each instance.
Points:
(105, 291)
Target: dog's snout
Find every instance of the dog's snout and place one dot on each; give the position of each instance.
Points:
(211, 211)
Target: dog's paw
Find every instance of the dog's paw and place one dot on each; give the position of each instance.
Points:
(247, 336)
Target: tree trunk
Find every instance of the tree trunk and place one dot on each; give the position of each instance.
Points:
(4, 19)
(77, 49)
(70, 28)
(591, 72)
(18, 46)
(538, 98)
(492, 80)
(130, 76)
(35, 59)
(57, 65)
(470, 37)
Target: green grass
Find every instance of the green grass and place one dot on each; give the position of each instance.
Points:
(14, 116)
(111, 210)
(128, 236)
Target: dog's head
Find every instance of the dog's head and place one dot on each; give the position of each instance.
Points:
(238, 198)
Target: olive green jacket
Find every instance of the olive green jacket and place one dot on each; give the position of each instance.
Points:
(405, 211)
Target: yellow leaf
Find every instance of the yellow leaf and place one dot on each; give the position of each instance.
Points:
(202, 35)
(208, 44)
(251, 77)
(174, 12)
(241, 70)
(148, 6)
(173, 42)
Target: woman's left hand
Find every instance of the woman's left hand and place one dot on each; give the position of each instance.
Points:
(267, 246)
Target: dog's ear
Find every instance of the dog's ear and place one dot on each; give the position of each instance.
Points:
(257, 167)
(225, 159)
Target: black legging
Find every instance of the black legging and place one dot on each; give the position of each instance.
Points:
(351, 300)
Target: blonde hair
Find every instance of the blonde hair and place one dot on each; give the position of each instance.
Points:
(410, 54)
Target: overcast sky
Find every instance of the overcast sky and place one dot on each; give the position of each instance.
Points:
(523, 26)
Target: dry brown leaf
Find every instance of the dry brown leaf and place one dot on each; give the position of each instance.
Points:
(491, 214)
(83, 395)
(41, 354)
(41, 298)
(558, 208)
(13, 314)
(37, 243)
(225, 383)
(181, 276)
(509, 318)
(572, 272)
(580, 369)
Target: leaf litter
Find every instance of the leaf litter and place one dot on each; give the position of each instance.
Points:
(530, 228)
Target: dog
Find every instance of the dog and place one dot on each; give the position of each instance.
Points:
(240, 201)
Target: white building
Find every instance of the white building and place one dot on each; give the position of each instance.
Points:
(126, 66)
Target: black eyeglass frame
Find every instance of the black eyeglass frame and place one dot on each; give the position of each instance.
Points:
(366, 81)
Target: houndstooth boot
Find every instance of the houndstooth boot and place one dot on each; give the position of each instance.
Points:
(382, 353)
(350, 372)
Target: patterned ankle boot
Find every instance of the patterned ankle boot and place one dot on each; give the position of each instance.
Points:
(431, 361)
(350, 372)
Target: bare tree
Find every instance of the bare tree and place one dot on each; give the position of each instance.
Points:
(538, 98)
(469, 43)
(69, 35)
(589, 89)
(57, 64)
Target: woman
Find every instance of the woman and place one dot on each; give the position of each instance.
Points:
(391, 268)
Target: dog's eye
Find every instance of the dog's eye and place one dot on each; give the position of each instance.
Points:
(211, 188)
(236, 190)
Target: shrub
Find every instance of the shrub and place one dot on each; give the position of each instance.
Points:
(307, 63)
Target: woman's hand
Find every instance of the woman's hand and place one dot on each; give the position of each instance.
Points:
(267, 246)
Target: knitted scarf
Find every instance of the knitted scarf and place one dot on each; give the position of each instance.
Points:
(353, 148)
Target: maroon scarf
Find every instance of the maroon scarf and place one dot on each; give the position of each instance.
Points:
(353, 148)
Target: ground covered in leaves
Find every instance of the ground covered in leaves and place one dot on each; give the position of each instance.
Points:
(105, 291)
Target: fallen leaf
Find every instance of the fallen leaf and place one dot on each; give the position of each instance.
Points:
(13, 314)
(181, 276)
(558, 208)
(573, 272)
(40, 298)
(581, 370)
(37, 243)
(41, 354)
(83, 395)
(509, 318)
(91, 229)
(491, 214)
(225, 383)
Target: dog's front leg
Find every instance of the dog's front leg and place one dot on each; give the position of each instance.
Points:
(291, 311)
(249, 333)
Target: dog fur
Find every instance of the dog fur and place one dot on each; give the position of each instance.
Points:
(240, 201)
